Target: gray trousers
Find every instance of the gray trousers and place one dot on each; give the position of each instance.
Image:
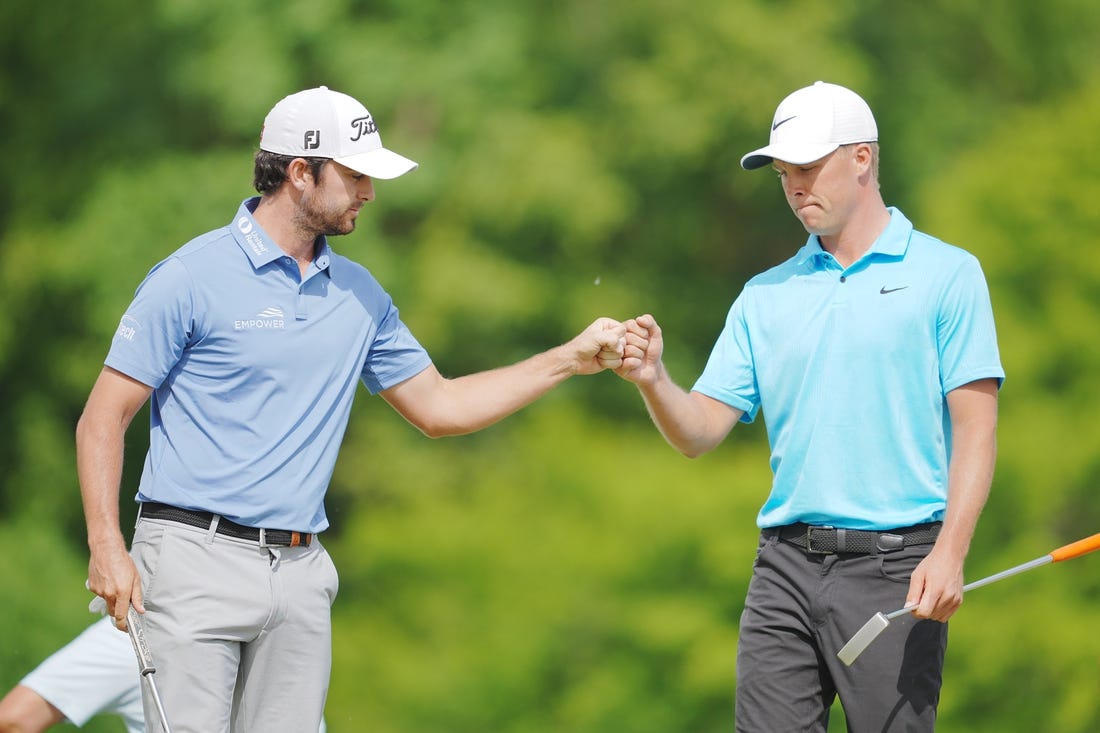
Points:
(240, 634)
(800, 610)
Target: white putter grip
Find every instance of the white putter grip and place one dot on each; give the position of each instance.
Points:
(141, 647)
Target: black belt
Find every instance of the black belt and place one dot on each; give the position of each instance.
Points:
(192, 518)
(829, 540)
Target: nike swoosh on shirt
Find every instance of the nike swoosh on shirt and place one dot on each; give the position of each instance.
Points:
(884, 291)
(777, 124)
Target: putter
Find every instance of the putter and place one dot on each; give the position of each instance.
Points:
(878, 623)
(141, 647)
(145, 662)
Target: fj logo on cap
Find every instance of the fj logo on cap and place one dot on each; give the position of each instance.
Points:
(312, 140)
(363, 126)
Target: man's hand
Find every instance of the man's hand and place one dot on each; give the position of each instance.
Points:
(936, 587)
(113, 577)
(641, 362)
(600, 346)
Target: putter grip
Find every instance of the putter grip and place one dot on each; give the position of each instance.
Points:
(1077, 549)
(141, 647)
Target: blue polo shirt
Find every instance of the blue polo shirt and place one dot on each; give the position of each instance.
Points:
(851, 368)
(254, 368)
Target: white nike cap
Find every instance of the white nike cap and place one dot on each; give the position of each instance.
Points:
(321, 123)
(813, 122)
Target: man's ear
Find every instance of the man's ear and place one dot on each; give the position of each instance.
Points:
(864, 158)
(299, 173)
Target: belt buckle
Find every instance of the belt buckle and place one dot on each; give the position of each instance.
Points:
(810, 549)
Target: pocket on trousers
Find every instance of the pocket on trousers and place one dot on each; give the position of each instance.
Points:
(761, 545)
(332, 585)
(898, 566)
(146, 550)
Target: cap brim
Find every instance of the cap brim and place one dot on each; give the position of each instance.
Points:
(379, 163)
(788, 153)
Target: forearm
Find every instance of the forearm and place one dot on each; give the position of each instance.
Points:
(114, 401)
(683, 418)
(937, 583)
(969, 480)
(440, 407)
(469, 403)
(99, 449)
(973, 456)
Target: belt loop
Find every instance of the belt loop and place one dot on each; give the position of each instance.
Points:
(841, 540)
(213, 529)
(263, 537)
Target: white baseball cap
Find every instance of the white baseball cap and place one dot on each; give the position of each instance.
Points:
(321, 123)
(813, 122)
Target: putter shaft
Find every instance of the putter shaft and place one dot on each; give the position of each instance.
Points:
(878, 623)
(145, 663)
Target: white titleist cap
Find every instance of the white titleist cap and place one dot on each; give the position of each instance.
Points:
(813, 122)
(321, 123)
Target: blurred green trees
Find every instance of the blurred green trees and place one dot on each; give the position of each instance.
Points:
(564, 570)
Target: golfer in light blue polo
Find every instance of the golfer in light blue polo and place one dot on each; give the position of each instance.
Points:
(873, 357)
(251, 341)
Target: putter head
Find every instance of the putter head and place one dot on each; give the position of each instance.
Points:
(863, 638)
(98, 605)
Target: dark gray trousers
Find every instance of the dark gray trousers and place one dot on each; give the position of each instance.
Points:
(800, 610)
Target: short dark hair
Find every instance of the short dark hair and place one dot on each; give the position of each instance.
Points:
(269, 169)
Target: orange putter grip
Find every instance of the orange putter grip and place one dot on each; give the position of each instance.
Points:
(1077, 549)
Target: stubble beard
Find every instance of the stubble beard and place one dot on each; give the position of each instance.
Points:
(315, 219)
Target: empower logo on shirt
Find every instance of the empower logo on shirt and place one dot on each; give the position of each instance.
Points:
(271, 318)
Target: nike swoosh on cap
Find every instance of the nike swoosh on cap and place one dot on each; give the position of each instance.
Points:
(777, 124)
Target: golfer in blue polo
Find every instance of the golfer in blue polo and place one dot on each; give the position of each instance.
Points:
(873, 357)
(251, 341)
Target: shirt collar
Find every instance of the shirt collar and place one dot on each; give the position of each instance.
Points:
(259, 248)
(893, 241)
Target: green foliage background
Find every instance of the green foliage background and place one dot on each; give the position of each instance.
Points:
(564, 570)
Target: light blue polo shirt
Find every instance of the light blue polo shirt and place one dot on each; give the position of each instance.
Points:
(851, 368)
(254, 369)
